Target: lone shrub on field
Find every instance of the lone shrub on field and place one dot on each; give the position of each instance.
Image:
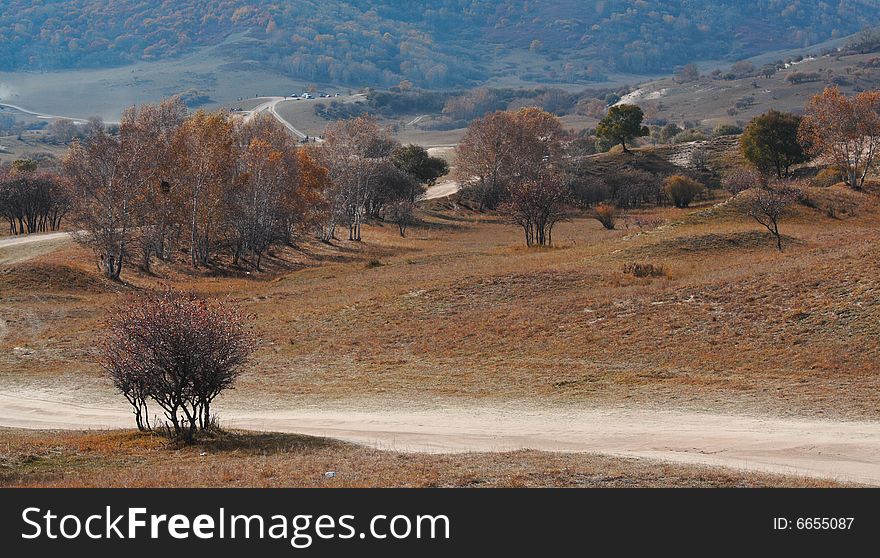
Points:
(770, 203)
(644, 270)
(178, 351)
(681, 189)
(606, 214)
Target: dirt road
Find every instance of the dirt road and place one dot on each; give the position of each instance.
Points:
(269, 106)
(17, 249)
(32, 238)
(43, 116)
(440, 190)
(847, 451)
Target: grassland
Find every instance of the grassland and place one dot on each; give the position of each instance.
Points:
(29, 146)
(458, 315)
(107, 91)
(459, 310)
(129, 459)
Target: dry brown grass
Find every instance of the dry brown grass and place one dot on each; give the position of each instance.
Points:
(460, 310)
(131, 459)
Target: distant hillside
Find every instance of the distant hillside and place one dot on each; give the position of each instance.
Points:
(434, 44)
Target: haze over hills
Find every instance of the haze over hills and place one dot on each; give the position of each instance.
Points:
(445, 43)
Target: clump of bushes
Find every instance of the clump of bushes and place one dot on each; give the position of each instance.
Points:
(688, 136)
(606, 214)
(682, 189)
(726, 130)
(644, 270)
(179, 352)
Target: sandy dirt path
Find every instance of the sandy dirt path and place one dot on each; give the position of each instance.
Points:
(440, 190)
(17, 249)
(32, 238)
(848, 451)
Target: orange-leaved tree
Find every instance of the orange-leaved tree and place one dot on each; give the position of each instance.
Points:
(845, 131)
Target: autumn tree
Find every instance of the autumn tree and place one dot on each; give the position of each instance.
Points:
(503, 148)
(536, 204)
(770, 142)
(64, 130)
(104, 178)
(153, 129)
(402, 214)
(769, 202)
(392, 185)
(205, 160)
(178, 351)
(669, 131)
(354, 152)
(622, 123)
(844, 131)
(483, 158)
(263, 202)
(32, 201)
(415, 161)
(687, 73)
(310, 209)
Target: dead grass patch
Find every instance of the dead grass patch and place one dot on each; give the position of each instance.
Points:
(50, 277)
(249, 459)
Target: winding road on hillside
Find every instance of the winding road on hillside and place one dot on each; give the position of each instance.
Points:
(270, 107)
(41, 115)
(848, 451)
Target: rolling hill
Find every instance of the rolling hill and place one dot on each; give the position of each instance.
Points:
(439, 44)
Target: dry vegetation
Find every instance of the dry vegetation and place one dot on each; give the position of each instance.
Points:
(459, 311)
(129, 459)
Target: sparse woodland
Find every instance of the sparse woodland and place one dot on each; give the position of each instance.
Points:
(171, 183)
(207, 189)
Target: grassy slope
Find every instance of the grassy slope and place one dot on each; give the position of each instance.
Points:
(460, 310)
(129, 459)
(708, 100)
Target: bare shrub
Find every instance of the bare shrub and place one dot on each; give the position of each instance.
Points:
(644, 270)
(606, 213)
(742, 179)
(647, 222)
(178, 351)
(770, 203)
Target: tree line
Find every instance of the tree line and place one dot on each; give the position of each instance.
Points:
(520, 162)
(32, 200)
(209, 185)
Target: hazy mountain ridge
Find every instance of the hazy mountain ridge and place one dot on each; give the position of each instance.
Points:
(444, 43)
